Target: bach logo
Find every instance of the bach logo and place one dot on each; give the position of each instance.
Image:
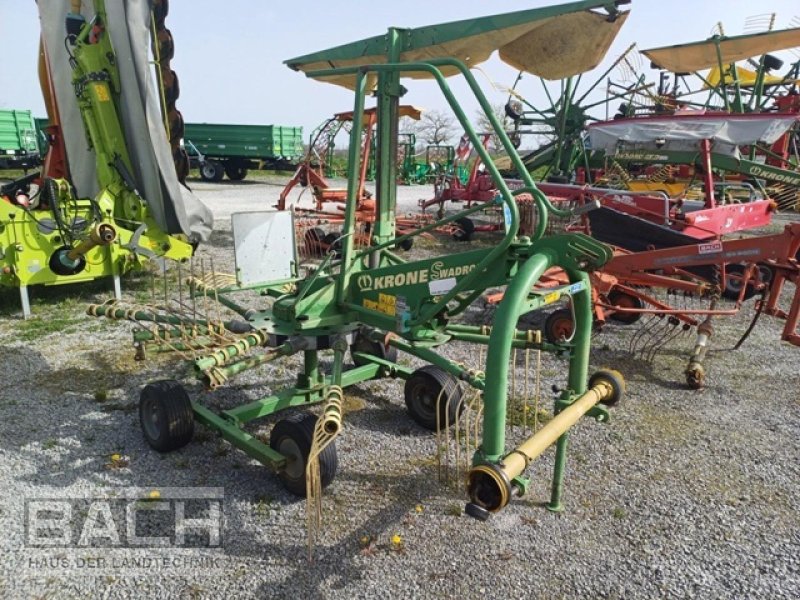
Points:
(709, 248)
(171, 518)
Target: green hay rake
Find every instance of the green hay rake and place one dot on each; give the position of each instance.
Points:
(375, 303)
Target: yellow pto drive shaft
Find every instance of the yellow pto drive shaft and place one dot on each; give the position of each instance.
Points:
(490, 485)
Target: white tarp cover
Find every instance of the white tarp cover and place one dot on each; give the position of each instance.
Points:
(172, 205)
(685, 132)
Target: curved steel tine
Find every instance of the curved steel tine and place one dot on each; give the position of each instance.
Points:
(672, 331)
(643, 327)
(442, 442)
(658, 337)
(659, 340)
(678, 332)
(653, 338)
(648, 334)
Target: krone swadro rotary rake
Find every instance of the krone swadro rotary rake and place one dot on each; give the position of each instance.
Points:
(374, 302)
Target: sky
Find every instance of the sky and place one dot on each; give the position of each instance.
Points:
(229, 55)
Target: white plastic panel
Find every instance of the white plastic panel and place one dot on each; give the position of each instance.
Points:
(264, 245)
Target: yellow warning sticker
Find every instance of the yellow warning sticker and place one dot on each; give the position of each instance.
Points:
(386, 304)
(552, 297)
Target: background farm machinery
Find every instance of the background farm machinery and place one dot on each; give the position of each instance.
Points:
(438, 159)
(219, 150)
(696, 69)
(568, 154)
(711, 151)
(104, 210)
(320, 225)
(316, 165)
(643, 218)
(648, 216)
(735, 74)
(376, 303)
(664, 286)
(19, 140)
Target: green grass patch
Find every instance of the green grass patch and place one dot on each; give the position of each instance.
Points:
(37, 328)
(13, 174)
(523, 414)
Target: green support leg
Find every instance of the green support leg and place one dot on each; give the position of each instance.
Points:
(578, 375)
(495, 394)
(558, 474)
(310, 376)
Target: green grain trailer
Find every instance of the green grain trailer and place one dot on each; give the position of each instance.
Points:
(19, 147)
(42, 123)
(233, 149)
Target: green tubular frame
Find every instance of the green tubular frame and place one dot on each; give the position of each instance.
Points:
(503, 333)
(543, 204)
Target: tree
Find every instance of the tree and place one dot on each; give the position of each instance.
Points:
(407, 125)
(483, 125)
(436, 127)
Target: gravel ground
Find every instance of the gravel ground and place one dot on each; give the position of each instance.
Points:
(682, 495)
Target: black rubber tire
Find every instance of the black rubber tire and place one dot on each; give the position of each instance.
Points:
(422, 390)
(334, 242)
(292, 437)
(766, 274)
(212, 171)
(466, 227)
(733, 284)
(406, 244)
(235, 172)
(362, 343)
(555, 324)
(165, 415)
(618, 298)
(512, 112)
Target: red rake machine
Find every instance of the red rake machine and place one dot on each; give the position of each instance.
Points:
(320, 225)
(624, 290)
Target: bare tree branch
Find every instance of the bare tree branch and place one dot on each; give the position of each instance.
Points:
(436, 127)
(483, 125)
